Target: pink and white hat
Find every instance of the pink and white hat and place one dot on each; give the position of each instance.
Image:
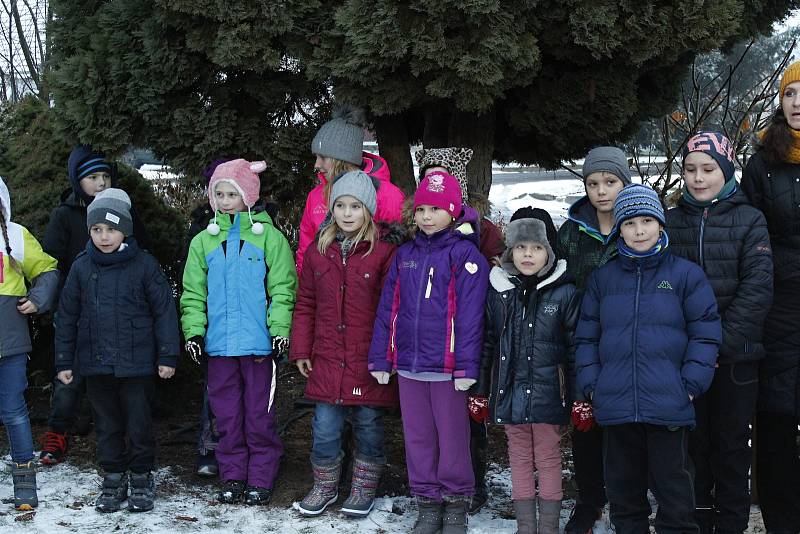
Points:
(243, 175)
(439, 189)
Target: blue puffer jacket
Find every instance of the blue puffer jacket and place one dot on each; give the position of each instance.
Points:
(117, 315)
(647, 339)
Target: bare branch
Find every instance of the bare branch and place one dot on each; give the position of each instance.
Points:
(23, 44)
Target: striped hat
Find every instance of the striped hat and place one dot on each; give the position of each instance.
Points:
(637, 200)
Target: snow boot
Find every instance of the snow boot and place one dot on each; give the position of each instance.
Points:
(583, 519)
(454, 520)
(429, 520)
(325, 490)
(257, 496)
(549, 514)
(477, 448)
(366, 476)
(232, 492)
(114, 492)
(143, 492)
(207, 465)
(525, 510)
(54, 448)
(24, 476)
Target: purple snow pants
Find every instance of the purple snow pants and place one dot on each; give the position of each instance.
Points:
(241, 394)
(436, 429)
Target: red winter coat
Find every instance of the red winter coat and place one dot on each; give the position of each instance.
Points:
(333, 318)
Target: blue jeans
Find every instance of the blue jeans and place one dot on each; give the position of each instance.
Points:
(327, 428)
(13, 410)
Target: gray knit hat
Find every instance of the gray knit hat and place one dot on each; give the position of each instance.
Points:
(342, 137)
(608, 159)
(356, 184)
(112, 207)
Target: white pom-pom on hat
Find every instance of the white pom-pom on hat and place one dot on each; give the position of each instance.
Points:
(258, 166)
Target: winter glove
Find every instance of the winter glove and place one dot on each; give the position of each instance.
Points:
(381, 376)
(582, 416)
(463, 384)
(196, 347)
(280, 345)
(478, 409)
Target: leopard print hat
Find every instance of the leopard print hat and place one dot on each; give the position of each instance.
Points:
(454, 159)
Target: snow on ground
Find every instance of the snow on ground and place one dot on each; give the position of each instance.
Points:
(555, 196)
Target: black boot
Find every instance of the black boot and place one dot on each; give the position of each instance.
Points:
(114, 493)
(583, 519)
(255, 495)
(143, 492)
(24, 477)
(232, 492)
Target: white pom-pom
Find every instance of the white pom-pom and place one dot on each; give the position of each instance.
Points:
(213, 228)
(258, 228)
(258, 166)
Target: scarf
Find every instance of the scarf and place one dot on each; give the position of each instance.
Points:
(727, 191)
(661, 244)
(793, 156)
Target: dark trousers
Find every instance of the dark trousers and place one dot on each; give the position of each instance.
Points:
(720, 445)
(122, 409)
(587, 455)
(637, 453)
(65, 403)
(778, 471)
(208, 438)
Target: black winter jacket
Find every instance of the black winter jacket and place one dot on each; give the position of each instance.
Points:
(66, 234)
(528, 359)
(117, 315)
(775, 190)
(730, 241)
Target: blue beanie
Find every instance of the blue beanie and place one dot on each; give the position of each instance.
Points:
(637, 200)
(718, 147)
(82, 162)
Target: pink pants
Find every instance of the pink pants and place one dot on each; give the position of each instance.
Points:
(534, 447)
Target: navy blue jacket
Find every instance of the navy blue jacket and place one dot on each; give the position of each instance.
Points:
(117, 315)
(647, 339)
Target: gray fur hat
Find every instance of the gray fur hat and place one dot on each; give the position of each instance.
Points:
(533, 225)
(608, 159)
(342, 137)
(112, 207)
(356, 184)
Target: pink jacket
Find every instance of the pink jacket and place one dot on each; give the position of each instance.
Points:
(390, 203)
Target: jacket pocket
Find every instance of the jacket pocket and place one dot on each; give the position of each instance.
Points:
(142, 339)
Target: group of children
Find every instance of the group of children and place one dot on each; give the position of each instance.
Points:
(642, 327)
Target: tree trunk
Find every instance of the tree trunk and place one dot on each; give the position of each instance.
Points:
(394, 148)
(437, 121)
(476, 132)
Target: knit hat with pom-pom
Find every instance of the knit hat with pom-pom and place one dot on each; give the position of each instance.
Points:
(342, 137)
(243, 175)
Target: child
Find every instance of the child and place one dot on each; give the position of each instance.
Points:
(647, 343)
(587, 240)
(117, 323)
(238, 294)
(429, 329)
(528, 362)
(23, 264)
(331, 330)
(715, 226)
(65, 237)
(338, 147)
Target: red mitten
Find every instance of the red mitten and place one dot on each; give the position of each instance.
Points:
(478, 409)
(582, 416)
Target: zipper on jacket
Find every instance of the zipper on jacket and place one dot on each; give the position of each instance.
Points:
(700, 247)
(430, 284)
(394, 325)
(635, 352)
(419, 302)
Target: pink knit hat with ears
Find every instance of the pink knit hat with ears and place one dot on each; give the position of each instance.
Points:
(243, 175)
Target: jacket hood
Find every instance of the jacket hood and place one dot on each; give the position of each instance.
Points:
(501, 280)
(393, 233)
(584, 215)
(5, 197)
(467, 225)
(372, 164)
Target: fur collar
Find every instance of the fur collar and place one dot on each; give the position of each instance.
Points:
(501, 280)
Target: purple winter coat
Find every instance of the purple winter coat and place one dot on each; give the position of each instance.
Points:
(430, 316)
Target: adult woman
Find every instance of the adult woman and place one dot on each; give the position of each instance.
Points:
(772, 182)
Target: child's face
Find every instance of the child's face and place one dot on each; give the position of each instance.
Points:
(228, 198)
(323, 164)
(431, 219)
(529, 257)
(349, 214)
(95, 182)
(602, 189)
(105, 238)
(790, 103)
(640, 233)
(702, 175)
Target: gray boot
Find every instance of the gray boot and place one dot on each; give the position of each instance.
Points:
(525, 510)
(115, 491)
(549, 515)
(24, 477)
(143, 492)
(366, 476)
(429, 520)
(455, 514)
(325, 490)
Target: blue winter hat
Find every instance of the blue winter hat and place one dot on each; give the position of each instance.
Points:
(718, 147)
(82, 162)
(637, 200)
